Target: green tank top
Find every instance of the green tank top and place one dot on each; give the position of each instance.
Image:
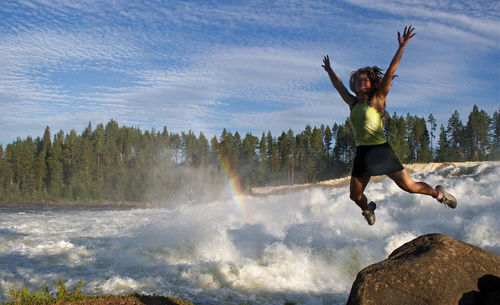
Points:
(367, 125)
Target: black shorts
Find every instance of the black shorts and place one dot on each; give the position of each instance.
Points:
(374, 160)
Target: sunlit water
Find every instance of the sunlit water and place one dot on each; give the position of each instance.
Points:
(305, 247)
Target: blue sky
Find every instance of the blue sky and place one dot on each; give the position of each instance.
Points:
(248, 66)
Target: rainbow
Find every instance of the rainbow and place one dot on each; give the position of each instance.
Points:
(236, 188)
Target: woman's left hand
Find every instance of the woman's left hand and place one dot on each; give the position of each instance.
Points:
(407, 35)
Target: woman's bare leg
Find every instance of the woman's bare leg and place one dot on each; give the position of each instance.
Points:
(357, 187)
(405, 182)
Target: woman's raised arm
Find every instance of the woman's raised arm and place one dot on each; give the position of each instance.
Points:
(385, 85)
(337, 83)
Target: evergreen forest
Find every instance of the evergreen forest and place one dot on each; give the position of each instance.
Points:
(115, 163)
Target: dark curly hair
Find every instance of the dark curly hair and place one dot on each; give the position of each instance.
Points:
(374, 73)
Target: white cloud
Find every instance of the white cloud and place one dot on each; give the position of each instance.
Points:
(478, 17)
(295, 118)
(192, 96)
(240, 66)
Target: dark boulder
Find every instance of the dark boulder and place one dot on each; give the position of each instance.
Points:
(432, 269)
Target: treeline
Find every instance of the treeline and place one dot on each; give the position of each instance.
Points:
(113, 163)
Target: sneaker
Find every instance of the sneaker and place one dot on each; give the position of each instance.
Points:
(370, 214)
(447, 199)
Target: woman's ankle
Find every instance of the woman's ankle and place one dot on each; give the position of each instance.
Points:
(440, 196)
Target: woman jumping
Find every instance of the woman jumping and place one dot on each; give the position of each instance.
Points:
(374, 156)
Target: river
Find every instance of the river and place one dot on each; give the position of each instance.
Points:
(305, 246)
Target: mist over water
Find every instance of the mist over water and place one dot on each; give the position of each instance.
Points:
(305, 246)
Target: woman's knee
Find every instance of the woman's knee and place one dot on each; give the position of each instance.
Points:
(404, 181)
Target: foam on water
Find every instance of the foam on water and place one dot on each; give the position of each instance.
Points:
(305, 246)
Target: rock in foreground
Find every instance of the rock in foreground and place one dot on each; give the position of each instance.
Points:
(432, 269)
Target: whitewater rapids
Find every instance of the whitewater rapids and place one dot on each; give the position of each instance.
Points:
(305, 246)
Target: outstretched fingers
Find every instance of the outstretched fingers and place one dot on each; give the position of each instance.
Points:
(407, 35)
(326, 63)
(408, 32)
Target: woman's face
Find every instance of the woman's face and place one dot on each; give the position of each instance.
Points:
(363, 83)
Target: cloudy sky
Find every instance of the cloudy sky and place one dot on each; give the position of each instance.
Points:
(248, 66)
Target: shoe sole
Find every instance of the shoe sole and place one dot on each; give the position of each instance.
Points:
(448, 199)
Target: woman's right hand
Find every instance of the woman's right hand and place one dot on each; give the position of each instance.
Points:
(337, 83)
(326, 64)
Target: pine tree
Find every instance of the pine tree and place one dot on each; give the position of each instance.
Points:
(41, 160)
(476, 135)
(328, 140)
(5, 176)
(284, 157)
(175, 145)
(87, 163)
(309, 157)
(262, 172)
(11, 159)
(396, 129)
(235, 151)
(443, 150)
(55, 167)
(214, 150)
(455, 133)
(344, 149)
(432, 123)
(225, 151)
(188, 149)
(495, 145)
(421, 136)
(112, 152)
(71, 166)
(203, 151)
(319, 155)
(26, 172)
(248, 160)
(412, 138)
(98, 141)
(272, 155)
(292, 148)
